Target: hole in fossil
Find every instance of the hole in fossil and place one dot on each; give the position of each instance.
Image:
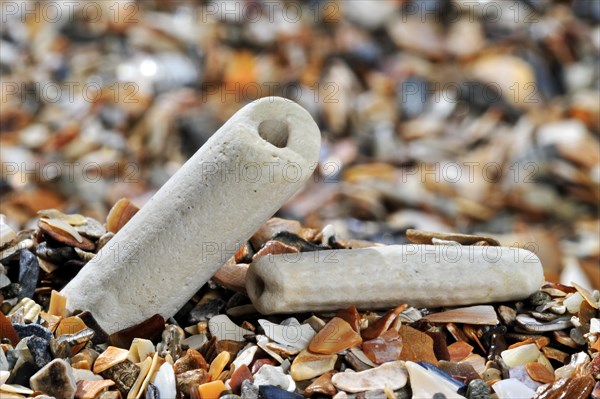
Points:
(275, 132)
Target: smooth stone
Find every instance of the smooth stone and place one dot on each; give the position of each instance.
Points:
(274, 392)
(512, 389)
(29, 270)
(26, 330)
(40, 350)
(55, 379)
(478, 389)
(223, 328)
(391, 375)
(295, 335)
(271, 375)
(165, 382)
(205, 201)
(309, 365)
(397, 274)
(426, 383)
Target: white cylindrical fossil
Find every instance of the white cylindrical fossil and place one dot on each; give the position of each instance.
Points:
(382, 277)
(238, 179)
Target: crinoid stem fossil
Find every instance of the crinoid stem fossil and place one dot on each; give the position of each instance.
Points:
(238, 179)
(382, 277)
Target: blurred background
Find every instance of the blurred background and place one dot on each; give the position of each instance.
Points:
(466, 116)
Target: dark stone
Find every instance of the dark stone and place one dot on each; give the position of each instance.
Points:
(538, 298)
(478, 389)
(29, 271)
(152, 392)
(205, 311)
(55, 379)
(296, 241)
(27, 330)
(273, 392)
(39, 349)
(13, 290)
(439, 396)
(22, 374)
(100, 336)
(123, 374)
(57, 255)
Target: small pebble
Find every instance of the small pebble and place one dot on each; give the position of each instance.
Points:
(29, 269)
(478, 389)
(274, 392)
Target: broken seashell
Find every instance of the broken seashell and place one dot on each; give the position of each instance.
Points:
(381, 325)
(110, 357)
(294, 335)
(479, 315)
(426, 383)
(336, 336)
(520, 355)
(222, 327)
(425, 237)
(121, 212)
(531, 324)
(140, 349)
(309, 365)
(74, 219)
(385, 348)
(392, 375)
(538, 372)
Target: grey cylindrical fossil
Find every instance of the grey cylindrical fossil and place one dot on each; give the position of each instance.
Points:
(382, 277)
(238, 179)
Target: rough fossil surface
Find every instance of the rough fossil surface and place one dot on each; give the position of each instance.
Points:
(380, 277)
(237, 180)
